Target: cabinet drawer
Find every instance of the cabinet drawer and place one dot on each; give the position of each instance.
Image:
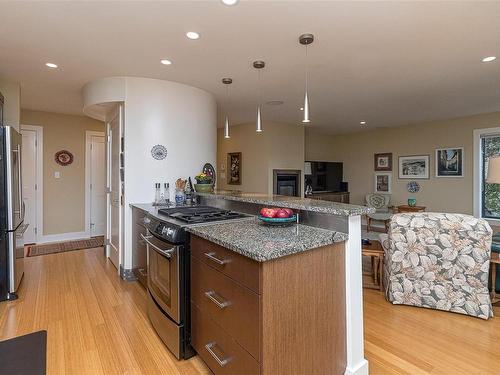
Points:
(236, 266)
(228, 304)
(217, 349)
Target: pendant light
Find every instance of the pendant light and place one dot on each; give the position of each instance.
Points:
(306, 39)
(259, 65)
(227, 82)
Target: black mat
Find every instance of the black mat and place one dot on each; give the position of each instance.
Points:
(24, 355)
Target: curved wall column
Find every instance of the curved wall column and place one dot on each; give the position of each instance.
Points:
(180, 117)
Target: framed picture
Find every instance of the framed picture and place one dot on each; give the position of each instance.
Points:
(383, 162)
(450, 162)
(414, 167)
(383, 183)
(234, 168)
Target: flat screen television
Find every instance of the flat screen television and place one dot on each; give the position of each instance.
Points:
(325, 176)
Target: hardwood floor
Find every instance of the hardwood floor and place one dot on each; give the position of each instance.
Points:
(97, 324)
(411, 340)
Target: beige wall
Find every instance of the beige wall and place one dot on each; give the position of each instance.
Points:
(63, 198)
(12, 103)
(279, 146)
(356, 150)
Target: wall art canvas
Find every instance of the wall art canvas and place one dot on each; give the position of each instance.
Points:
(234, 168)
(383, 183)
(383, 162)
(414, 167)
(450, 162)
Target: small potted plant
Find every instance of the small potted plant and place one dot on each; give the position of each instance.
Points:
(203, 183)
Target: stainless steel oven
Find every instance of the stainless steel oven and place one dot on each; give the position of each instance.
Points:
(163, 274)
(164, 307)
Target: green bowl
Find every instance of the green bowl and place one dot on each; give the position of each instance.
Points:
(278, 221)
(203, 188)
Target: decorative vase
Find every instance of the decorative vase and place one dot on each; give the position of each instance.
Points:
(412, 202)
(203, 188)
(180, 197)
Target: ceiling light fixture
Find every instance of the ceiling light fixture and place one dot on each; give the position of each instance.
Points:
(193, 35)
(259, 65)
(227, 82)
(305, 40)
(51, 65)
(166, 61)
(229, 2)
(489, 59)
(362, 122)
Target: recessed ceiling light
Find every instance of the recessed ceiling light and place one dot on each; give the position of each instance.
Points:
(301, 108)
(229, 2)
(362, 122)
(51, 65)
(193, 35)
(489, 59)
(166, 62)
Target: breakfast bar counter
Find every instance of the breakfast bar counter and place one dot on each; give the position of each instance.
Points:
(295, 203)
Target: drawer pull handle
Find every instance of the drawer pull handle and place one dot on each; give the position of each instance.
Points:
(211, 295)
(213, 258)
(221, 362)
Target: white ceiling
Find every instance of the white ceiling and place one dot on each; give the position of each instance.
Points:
(388, 63)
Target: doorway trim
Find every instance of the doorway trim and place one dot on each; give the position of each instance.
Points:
(88, 141)
(39, 179)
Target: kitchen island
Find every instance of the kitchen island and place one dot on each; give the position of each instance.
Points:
(268, 300)
(307, 309)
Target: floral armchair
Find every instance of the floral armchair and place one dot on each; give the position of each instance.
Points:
(382, 213)
(439, 261)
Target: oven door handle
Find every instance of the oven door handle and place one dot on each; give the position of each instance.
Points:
(165, 253)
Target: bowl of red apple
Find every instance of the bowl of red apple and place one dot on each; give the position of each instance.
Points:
(277, 216)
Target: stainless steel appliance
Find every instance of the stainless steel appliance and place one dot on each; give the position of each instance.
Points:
(12, 225)
(168, 271)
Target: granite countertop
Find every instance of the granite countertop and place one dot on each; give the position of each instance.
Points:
(305, 204)
(260, 242)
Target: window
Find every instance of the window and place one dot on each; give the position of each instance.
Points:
(490, 207)
(486, 196)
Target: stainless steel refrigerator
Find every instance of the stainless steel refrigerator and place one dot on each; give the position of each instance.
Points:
(12, 211)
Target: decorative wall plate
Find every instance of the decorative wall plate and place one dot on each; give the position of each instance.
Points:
(63, 158)
(159, 152)
(210, 170)
(413, 187)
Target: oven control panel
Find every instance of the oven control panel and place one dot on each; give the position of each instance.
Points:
(168, 232)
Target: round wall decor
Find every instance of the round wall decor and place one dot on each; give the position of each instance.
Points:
(63, 157)
(413, 187)
(159, 152)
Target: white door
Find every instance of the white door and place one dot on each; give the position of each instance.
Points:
(97, 186)
(113, 133)
(29, 178)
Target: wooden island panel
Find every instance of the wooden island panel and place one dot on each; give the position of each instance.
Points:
(304, 316)
(300, 319)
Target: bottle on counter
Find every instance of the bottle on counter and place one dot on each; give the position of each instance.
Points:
(166, 193)
(157, 194)
(188, 191)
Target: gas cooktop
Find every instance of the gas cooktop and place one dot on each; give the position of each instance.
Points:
(200, 214)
